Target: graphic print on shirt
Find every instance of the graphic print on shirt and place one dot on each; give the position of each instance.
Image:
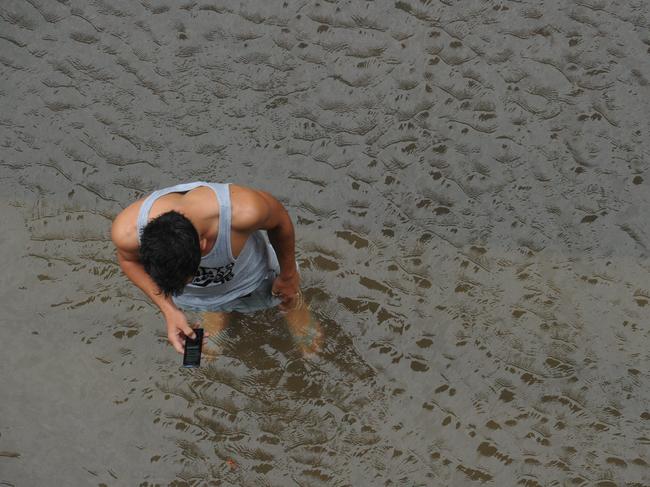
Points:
(213, 276)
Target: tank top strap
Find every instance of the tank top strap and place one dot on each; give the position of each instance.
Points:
(143, 214)
(222, 245)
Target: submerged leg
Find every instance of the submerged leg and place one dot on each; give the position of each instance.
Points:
(305, 330)
(214, 322)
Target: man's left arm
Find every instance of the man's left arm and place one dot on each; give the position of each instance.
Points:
(258, 210)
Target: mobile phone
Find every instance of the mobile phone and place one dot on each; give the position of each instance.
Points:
(192, 355)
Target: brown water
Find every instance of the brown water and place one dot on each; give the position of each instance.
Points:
(469, 186)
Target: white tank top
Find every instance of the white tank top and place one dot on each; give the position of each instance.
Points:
(220, 278)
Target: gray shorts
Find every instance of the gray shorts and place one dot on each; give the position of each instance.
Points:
(261, 298)
(258, 300)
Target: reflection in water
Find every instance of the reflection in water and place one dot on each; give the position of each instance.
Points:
(268, 408)
(467, 181)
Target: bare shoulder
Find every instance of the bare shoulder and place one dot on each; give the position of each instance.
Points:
(251, 208)
(124, 229)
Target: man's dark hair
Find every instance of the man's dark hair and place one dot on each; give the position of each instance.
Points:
(170, 251)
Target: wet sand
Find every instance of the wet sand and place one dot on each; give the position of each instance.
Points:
(469, 186)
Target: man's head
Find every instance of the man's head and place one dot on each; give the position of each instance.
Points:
(170, 251)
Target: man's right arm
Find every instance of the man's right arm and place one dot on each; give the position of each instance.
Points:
(133, 269)
(127, 258)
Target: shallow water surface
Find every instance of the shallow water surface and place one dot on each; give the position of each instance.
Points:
(468, 183)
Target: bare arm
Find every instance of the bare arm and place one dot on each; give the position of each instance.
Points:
(258, 210)
(127, 258)
(263, 211)
(281, 235)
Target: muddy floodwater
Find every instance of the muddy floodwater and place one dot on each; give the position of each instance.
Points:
(469, 186)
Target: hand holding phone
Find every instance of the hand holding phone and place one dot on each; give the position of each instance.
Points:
(192, 353)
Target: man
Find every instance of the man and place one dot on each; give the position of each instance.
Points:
(202, 246)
